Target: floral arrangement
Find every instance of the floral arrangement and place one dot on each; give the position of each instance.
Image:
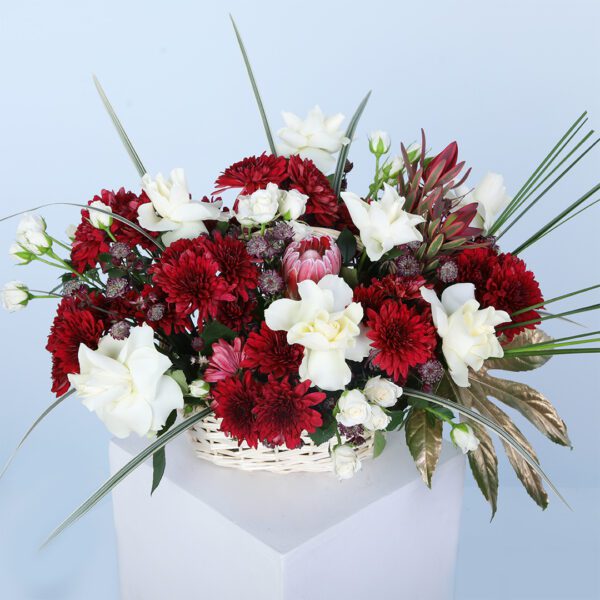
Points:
(306, 310)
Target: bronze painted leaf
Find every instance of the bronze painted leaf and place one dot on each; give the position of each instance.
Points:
(424, 440)
(521, 363)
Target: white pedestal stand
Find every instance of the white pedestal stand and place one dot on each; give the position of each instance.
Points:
(212, 533)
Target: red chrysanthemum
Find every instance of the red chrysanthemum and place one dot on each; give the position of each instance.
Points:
(284, 410)
(237, 315)
(322, 205)
(269, 352)
(234, 402)
(235, 265)
(88, 244)
(252, 173)
(72, 326)
(502, 281)
(157, 312)
(403, 336)
(390, 287)
(190, 279)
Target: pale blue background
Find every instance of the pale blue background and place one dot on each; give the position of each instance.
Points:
(504, 79)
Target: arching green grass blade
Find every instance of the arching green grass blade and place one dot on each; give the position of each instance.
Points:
(119, 127)
(133, 464)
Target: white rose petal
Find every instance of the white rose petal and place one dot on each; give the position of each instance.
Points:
(124, 383)
(14, 296)
(462, 435)
(468, 333)
(353, 409)
(31, 235)
(292, 205)
(382, 392)
(383, 224)
(99, 219)
(259, 208)
(317, 138)
(378, 419)
(345, 461)
(170, 210)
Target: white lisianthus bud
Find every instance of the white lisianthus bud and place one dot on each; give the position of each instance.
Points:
(99, 219)
(259, 208)
(14, 296)
(354, 408)
(379, 142)
(464, 438)
(345, 461)
(383, 392)
(378, 419)
(292, 205)
(199, 388)
(31, 234)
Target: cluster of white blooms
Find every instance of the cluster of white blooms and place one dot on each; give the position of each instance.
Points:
(264, 206)
(31, 239)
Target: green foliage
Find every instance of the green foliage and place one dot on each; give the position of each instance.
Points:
(214, 331)
(347, 245)
(379, 443)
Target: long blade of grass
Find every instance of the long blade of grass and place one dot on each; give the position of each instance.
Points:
(33, 426)
(565, 213)
(120, 130)
(482, 420)
(259, 101)
(558, 351)
(575, 214)
(137, 228)
(547, 317)
(341, 163)
(545, 302)
(122, 473)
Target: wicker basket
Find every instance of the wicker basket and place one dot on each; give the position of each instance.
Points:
(211, 444)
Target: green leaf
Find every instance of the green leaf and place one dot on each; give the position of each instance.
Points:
(179, 377)
(122, 473)
(214, 331)
(350, 276)
(379, 443)
(347, 245)
(33, 426)
(159, 463)
(325, 432)
(341, 163)
(397, 421)
(424, 440)
(117, 123)
(259, 101)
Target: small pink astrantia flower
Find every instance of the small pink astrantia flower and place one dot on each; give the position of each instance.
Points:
(311, 258)
(225, 360)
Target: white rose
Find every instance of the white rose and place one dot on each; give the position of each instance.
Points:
(171, 211)
(379, 142)
(259, 208)
(14, 296)
(397, 163)
(353, 409)
(123, 382)
(99, 219)
(462, 435)
(382, 392)
(317, 138)
(383, 224)
(378, 419)
(199, 388)
(22, 256)
(292, 205)
(326, 323)
(490, 196)
(345, 461)
(31, 234)
(468, 333)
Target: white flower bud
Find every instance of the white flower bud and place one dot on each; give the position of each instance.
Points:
(259, 208)
(462, 435)
(22, 256)
(292, 205)
(379, 142)
(199, 388)
(14, 296)
(99, 219)
(31, 234)
(345, 461)
(378, 419)
(353, 409)
(383, 392)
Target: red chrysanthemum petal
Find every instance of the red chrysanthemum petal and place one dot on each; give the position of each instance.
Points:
(252, 173)
(391, 287)
(403, 337)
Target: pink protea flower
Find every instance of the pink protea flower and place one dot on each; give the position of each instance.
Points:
(225, 360)
(310, 258)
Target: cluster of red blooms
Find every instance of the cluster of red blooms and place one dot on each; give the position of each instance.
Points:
(222, 276)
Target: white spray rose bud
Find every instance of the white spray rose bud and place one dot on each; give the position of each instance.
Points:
(353, 409)
(462, 435)
(292, 205)
(70, 232)
(259, 208)
(378, 419)
(199, 388)
(395, 166)
(31, 234)
(14, 296)
(22, 256)
(383, 392)
(99, 219)
(345, 461)
(379, 142)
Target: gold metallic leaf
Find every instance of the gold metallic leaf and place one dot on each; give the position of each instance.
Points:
(424, 440)
(521, 363)
(533, 405)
